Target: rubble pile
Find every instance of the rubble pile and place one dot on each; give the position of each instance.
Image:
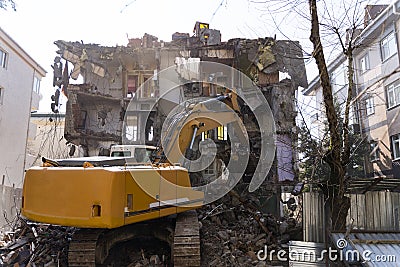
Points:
(34, 244)
(232, 232)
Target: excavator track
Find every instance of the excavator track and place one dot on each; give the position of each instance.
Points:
(82, 248)
(87, 245)
(186, 248)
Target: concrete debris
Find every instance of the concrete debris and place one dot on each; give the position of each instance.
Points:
(232, 232)
(34, 244)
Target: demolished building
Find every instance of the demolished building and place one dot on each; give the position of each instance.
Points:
(114, 77)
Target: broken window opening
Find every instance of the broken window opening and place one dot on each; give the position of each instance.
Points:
(132, 85)
(148, 88)
(131, 133)
(150, 134)
(222, 133)
(80, 119)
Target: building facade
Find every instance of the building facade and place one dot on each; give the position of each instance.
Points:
(378, 93)
(376, 101)
(20, 78)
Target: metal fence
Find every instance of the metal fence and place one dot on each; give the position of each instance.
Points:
(313, 217)
(372, 211)
(377, 211)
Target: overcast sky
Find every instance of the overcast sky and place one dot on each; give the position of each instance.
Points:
(35, 25)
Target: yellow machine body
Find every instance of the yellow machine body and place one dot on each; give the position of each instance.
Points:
(106, 197)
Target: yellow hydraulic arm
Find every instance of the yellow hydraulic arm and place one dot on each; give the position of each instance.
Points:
(183, 127)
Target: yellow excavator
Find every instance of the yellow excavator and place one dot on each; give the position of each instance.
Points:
(112, 202)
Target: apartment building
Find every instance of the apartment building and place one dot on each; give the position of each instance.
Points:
(20, 77)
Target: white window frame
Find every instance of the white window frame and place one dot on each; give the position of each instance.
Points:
(3, 58)
(393, 94)
(395, 140)
(364, 63)
(1, 95)
(370, 106)
(388, 46)
(374, 154)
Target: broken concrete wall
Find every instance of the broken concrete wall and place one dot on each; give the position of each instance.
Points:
(109, 86)
(92, 119)
(114, 74)
(269, 56)
(281, 98)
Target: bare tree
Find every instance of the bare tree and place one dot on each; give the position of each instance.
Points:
(334, 28)
(338, 154)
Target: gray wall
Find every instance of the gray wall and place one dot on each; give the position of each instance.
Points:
(10, 204)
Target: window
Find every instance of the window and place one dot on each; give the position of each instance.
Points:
(222, 133)
(393, 94)
(1, 95)
(3, 59)
(369, 105)
(131, 129)
(395, 140)
(388, 46)
(205, 135)
(364, 63)
(353, 116)
(374, 151)
(210, 170)
(121, 154)
(36, 85)
(150, 134)
(148, 88)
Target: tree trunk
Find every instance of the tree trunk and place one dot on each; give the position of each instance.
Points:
(335, 189)
(350, 73)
